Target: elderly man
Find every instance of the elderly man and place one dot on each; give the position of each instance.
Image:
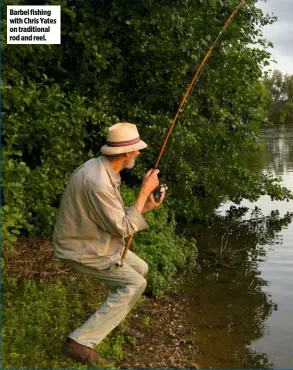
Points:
(90, 233)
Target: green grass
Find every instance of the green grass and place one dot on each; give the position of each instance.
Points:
(38, 316)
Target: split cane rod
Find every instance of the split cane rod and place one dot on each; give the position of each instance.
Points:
(192, 83)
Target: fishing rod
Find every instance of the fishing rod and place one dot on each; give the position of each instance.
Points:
(183, 101)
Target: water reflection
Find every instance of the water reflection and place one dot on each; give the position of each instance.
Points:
(229, 304)
(242, 299)
(276, 155)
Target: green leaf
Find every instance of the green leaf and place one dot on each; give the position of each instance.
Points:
(27, 101)
(11, 238)
(69, 12)
(10, 222)
(15, 231)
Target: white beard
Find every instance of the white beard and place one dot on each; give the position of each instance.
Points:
(130, 164)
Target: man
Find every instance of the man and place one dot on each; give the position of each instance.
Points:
(90, 233)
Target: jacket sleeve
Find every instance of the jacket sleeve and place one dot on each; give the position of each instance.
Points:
(109, 214)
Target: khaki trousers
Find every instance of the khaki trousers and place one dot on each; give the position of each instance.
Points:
(127, 284)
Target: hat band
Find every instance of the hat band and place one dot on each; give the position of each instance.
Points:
(123, 143)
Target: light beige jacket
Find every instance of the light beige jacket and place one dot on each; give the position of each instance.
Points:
(92, 221)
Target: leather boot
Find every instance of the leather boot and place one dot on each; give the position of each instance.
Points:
(83, 354)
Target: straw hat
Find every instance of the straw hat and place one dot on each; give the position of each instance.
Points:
(122, 138)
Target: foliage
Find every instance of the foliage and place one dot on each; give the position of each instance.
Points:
(280, 102)
(39, 130)
(125, 60)
(13, 212)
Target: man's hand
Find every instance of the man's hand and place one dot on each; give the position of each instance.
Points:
(151, 203)
(149, 184)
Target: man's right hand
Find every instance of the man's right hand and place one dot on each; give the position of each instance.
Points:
(150, 182)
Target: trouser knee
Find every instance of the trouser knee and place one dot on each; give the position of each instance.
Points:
(145, 269)
(141, 285)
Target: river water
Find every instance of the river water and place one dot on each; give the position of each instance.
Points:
(242, 299)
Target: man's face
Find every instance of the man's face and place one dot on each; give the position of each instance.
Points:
(131, 159)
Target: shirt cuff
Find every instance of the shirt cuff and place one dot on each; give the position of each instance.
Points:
(137, 218)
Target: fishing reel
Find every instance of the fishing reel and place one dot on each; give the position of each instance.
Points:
(158, 191)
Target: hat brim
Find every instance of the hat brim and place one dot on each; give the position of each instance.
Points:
(110, 150)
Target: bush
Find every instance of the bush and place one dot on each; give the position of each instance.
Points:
(132, 60)
(41, 124)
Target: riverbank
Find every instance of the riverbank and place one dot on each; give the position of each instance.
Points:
(44, 300)
(235, 313)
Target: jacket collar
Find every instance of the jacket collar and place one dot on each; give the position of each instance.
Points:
(114, 177)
